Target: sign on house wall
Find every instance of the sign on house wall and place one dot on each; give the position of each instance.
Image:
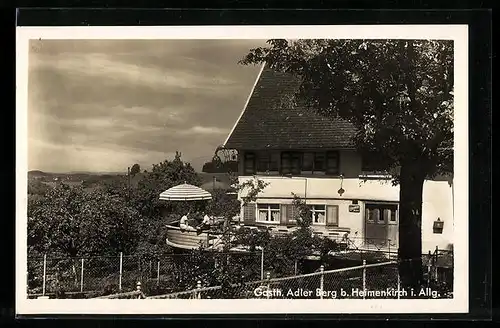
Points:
(354, 208)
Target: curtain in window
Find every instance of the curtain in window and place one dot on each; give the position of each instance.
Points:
(275, 216)
(320, 217)
(263, 215)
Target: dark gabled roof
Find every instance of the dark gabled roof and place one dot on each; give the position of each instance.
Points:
(269, 121)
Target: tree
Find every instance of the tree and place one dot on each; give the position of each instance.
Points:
(145, 198)
(136, 168)
(399, 96)
(37, 187)
(72, 222)
(227, 166)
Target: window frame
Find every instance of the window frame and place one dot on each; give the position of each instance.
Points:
(291, 156)
(372, 169)
(336, 156)
(266, 158)
(249, 156)
(382, 208)
(316, 156)
(269, 211)
(314, 210)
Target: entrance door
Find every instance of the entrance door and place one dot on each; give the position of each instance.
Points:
(381, 225)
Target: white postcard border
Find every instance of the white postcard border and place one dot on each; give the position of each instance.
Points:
(459, 304)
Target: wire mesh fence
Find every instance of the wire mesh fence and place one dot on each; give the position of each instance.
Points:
(203, 275)
(62, 277)
(367, 281)
(341, 283)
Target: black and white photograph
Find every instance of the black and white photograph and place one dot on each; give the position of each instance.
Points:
(218, 167)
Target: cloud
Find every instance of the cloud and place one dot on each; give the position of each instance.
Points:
(49, 156)
(205, 130)
(109, 69)
(132, 100)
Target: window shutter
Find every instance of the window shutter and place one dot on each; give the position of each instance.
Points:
(284, 214)
(249, 213)
(332, 216)
(292, 212)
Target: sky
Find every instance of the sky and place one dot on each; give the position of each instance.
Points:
(104, 105)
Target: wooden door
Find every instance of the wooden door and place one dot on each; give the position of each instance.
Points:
(381, 225)
(375, 226)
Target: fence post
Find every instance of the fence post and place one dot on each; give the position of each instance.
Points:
(364, 278)
(399, 283)
(262, 264)
(81, 278)
(429, 268)
(436, 265)
(198, 286)
(138, 289)
(44, 278)
(321, 280)
(150, 269)
(121, 272)
(295, 267)
(139, 266)
(268, 277)
(158, 274)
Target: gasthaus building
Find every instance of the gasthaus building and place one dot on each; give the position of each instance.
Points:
(298, 151)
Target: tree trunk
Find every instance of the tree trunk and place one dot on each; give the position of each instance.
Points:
(410, 221)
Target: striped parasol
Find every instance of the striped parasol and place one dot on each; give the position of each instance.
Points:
(185, 192)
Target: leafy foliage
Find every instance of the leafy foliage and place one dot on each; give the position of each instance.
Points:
(136, 168)
(72, 222)
(37, 187)
(399, 96)
(227, 166)
(163, 176)
(398, 93)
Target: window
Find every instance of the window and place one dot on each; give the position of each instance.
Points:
(381, 213)
(372, 214)
(318, 214)
(319, 162)
(313, 163)
(332, 163)
(274, 162)
(393, 215)
(249, 163)
(308, 162)
(268, 162)
(290, 162)
(373, 163)
(268, 213)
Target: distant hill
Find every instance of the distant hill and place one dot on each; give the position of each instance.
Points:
(37, 173)
(92, 179)
(95, 173)
(42, 173)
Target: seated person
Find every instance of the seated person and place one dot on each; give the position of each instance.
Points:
(184, 223)
(205, 223)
